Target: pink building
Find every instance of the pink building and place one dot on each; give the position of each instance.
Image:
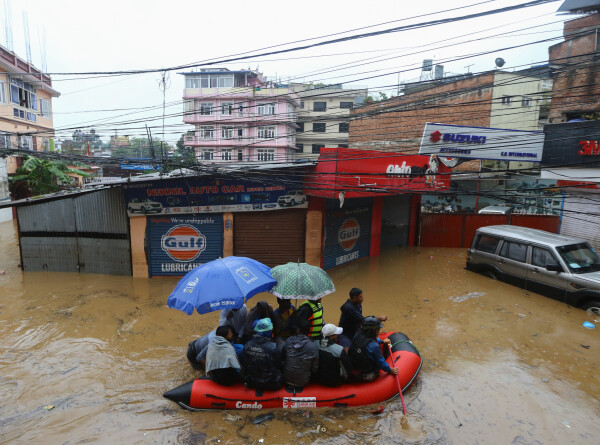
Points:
(239, 117)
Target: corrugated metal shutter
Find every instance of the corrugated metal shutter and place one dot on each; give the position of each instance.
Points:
(581, 218)
(347, 236)
(273, 238)
(87, 233)
(177, 244)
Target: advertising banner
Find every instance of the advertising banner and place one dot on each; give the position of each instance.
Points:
(177, 244)
(497, 144)
(347, 236)
(207, 195)
(573, 144)
(363, 173)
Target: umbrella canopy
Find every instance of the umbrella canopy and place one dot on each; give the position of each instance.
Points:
(301, 281)
(225, 283)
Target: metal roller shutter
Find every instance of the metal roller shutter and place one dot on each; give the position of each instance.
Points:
(581, 218)
(347, 236)
(272, 238)
(177, 244)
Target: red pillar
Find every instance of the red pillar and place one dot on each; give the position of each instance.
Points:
(415, 209)
(376, 226)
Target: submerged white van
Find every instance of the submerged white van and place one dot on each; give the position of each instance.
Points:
(558, 266)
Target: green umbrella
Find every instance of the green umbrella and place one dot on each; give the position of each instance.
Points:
(301, 281)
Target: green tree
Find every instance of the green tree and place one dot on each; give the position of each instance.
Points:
(44, 176)
(183, 155)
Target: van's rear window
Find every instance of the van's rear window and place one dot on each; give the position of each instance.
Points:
(487, 243)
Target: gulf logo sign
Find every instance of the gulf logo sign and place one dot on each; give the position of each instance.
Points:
(183, 242)
(349, 234)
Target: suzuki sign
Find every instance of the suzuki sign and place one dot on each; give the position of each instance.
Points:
(482, 143)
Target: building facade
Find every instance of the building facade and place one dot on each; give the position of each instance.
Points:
(239, 116)
(25, 114)
(324, 116)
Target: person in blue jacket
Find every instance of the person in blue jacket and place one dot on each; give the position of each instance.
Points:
(364, 355)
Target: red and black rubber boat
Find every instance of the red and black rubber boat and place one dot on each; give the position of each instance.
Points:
(201, 394)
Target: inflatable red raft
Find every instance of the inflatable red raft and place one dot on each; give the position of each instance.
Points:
(201, 394)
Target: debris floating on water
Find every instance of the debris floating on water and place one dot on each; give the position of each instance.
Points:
(462, 298)
(588, 325)
(263, 418)
(48, 407)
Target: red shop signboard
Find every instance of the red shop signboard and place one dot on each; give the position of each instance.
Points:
(360, 173)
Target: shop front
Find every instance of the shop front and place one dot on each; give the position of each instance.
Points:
(572, 158)
(178, 224)
(369, 200)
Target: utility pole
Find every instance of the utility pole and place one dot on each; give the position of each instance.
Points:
(163, 87)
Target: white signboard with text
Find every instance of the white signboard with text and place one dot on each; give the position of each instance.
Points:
(456, 141)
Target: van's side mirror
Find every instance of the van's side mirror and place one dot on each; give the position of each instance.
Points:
(554, 267)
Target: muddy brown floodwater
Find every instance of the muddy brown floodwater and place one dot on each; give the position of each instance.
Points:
(501, 365)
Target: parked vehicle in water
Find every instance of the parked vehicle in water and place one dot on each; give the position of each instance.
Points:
(558, 266)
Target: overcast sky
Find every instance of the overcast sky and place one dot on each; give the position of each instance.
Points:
(85, 36)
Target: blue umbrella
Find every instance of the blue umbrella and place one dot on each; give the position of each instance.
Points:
(225, 283)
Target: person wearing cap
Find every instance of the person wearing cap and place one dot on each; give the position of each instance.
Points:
(352, 317)
(261, 310)
(364, 355)
(222, 364)
(300, 355)
(261, 358)
(331, 370)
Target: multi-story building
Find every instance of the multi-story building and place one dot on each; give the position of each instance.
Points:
(324, 116)
(25, 112)
(239, 116)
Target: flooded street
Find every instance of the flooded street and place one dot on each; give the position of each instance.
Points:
(86, 359)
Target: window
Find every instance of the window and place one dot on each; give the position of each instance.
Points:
(514, 251)
(240, 133)
(487, 243)
(226, 155)
(240, 107)
(316, 148)
(300, 147)
(227, 108)
(506, 100)
(346, 104)
(342, 145)
(225, 81)
(240, 154)
(265, 132)
(206, 108)
(300, 128)
(5, 140)
(264, 109)
(319, 127)
(344, 127)
(192, 82)
(542, 257)
(526, 101)
(188, 106)
(2, 92)
(301, 104)
(207, 155)
(45, 108)
(23, 94)
(26, 142)
(207, 132)
(226, 132)
(320, 106)
(266, 155)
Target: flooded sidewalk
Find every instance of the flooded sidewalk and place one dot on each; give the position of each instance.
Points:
(86, 359)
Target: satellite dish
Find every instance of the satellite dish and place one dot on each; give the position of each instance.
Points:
(500, 62)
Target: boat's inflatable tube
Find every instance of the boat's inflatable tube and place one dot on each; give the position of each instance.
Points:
(200, 394)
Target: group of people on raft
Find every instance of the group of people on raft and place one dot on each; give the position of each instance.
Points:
(266, 348)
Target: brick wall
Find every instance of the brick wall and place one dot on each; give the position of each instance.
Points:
(397, 124)
(577, 77)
